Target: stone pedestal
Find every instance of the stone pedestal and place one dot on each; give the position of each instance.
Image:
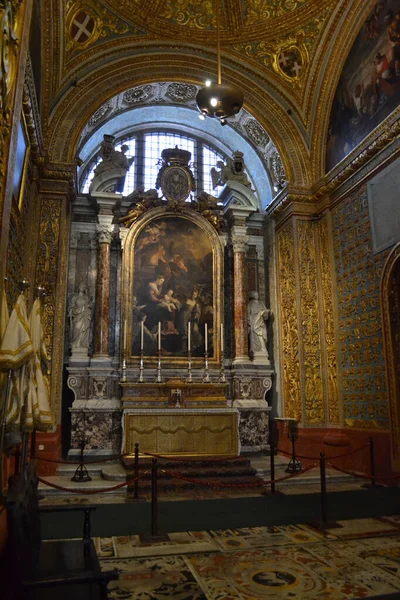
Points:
(96, 411)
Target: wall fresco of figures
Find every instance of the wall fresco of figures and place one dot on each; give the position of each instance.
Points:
(172, 285)
(369, 87)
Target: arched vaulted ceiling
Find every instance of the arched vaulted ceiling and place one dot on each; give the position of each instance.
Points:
(286, 55)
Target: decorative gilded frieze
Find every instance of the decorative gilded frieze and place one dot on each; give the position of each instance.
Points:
(310, 337)
(262, 10)
(358, 274)
(288, 56)
(289, 326)
(87, 22)
(331, 380)
(197, 14)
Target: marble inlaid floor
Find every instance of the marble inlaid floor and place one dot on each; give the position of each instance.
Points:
(360, 560)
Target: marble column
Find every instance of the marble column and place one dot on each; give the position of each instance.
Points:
(239, 242)
(101, 323)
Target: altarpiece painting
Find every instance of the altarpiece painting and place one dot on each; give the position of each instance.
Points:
(172, 285)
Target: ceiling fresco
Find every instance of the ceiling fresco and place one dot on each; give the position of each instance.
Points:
(284, 54)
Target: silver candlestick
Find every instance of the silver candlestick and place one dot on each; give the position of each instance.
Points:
(222, 378)
(206, 377)
(189, 378)
(141, 368)
(123, 377)
(159, 378)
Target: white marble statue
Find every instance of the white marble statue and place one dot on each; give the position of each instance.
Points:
(110, 173)
(233, 170)
(257, 316)
(80, 314)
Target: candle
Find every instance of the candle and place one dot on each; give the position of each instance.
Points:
(189, 336)
(141, 335)
(159, 335)
(125, 334)
(222, 337)
(205, 338)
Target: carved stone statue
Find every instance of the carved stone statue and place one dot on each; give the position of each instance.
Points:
(80, 314)
(233, 170)
(110, 174)
(257, 315)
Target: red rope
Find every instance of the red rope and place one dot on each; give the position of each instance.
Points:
(327, 457)
(362, 476)
(90, 491)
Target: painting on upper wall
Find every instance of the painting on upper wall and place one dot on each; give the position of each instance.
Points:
(369, 87)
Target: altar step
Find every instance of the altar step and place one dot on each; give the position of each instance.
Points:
(109, 473)
(177, 475)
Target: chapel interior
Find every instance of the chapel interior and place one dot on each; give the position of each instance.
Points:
(200, 245)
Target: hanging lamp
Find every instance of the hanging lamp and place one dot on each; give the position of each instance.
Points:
(219, 100)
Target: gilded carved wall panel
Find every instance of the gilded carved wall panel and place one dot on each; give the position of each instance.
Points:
(358, 274)
(50, 273)
(330, 350)
(289, 324)
(390, 298)
(310, 331)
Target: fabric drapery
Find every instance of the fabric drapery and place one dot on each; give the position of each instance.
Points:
(15, 351)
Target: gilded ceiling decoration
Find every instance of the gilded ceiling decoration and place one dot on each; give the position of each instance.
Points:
(87, 22)
(288, 56)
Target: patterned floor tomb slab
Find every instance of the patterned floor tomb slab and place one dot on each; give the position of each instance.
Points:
(153, 579)
(291, 572)
(131, 546)
(252, 537)
(358, 528)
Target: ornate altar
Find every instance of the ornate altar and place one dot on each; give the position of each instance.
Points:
(193, 431)
(169, 365)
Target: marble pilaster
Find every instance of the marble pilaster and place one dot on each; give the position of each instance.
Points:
(239, 243)
(102, 310)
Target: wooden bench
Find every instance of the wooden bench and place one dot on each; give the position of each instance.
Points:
(58, 569)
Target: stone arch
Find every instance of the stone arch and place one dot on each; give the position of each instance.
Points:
(390, 304)
(77, 104)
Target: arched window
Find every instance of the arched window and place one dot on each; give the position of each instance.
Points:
(147, 148)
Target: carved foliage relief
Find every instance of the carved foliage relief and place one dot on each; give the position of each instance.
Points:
(313, 388)
(290, 333)
(358, 274)
(329, 329)
(47, 266)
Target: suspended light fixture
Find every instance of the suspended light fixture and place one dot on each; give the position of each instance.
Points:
(219, 100)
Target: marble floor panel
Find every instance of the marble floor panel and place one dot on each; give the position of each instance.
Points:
(288, 562)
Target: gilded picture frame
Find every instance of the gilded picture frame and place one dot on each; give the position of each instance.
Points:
(21, 162)
(172, 275)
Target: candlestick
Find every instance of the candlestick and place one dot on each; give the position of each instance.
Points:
(159, 335)
(189, 328)
(141, 335)
(125, 334)
(222, 338)
(205, 338)
(222, 378)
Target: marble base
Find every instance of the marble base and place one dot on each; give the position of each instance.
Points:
(254, 430)
(100, 430)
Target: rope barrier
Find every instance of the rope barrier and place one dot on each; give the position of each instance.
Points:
(362, 476)
(236, 485)
(90, 491)
(328, 457)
